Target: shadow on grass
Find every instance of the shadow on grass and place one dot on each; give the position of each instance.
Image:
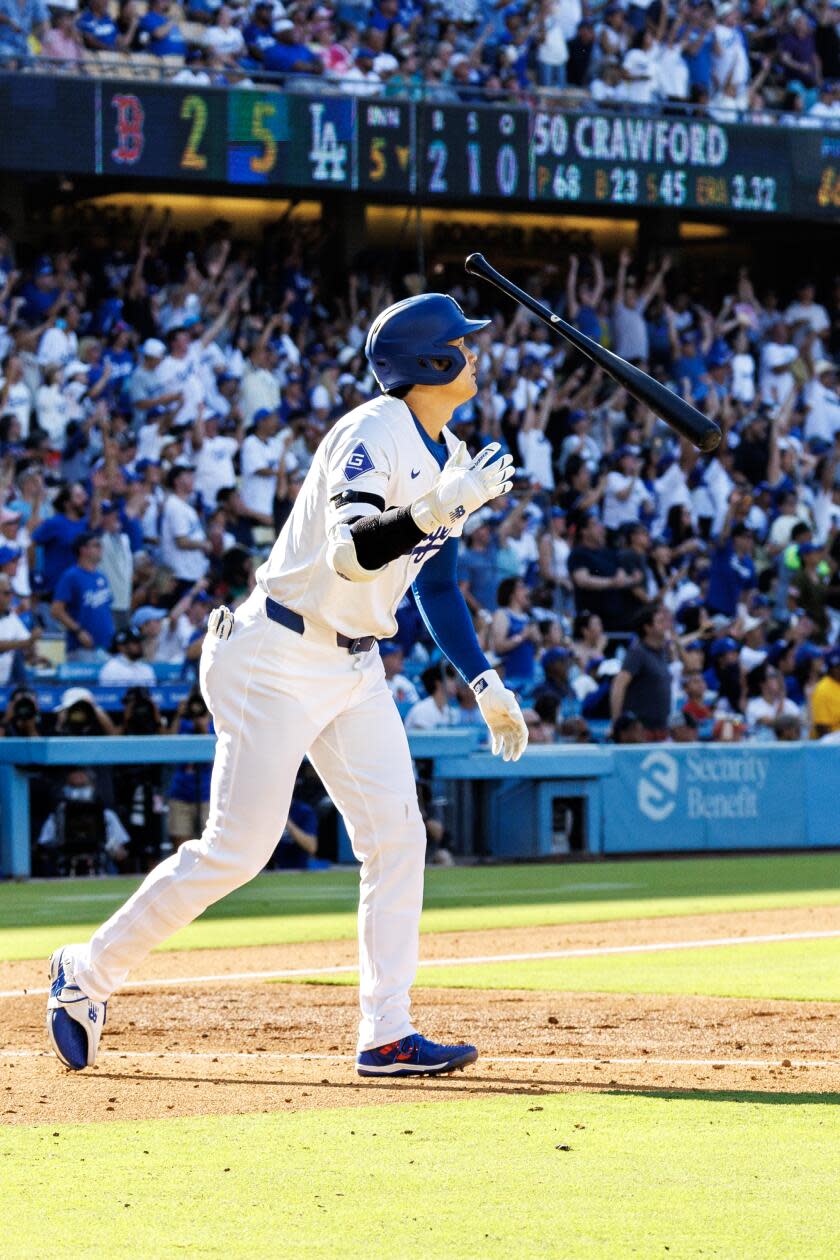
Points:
(762, 1096)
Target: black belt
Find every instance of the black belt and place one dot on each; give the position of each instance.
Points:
(293, 621)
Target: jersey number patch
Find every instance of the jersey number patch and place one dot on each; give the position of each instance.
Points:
(358, 463)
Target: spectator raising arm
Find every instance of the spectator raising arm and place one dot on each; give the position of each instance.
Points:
(618, 692)
(655, 283)
(572, 306)
(624, 259)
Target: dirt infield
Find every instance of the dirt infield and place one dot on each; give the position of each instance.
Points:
(245, 1045)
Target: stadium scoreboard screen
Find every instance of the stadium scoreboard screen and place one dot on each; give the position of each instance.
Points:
(401, 149)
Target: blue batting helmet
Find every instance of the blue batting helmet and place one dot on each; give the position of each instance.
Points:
(404, 339)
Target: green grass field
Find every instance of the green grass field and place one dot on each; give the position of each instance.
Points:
(804, 971)
(747, 1177)
(279, 909)
(649, 1173)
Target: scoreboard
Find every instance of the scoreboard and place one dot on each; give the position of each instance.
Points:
(406, 150)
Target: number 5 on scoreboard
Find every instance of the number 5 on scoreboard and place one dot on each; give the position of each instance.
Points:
(264, 112)
(194, 111)
(378, 162)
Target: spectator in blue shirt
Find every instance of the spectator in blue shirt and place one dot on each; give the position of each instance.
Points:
(718, 363)
(732, 571)
(387, 16)
(18, 20)
(98, 29)
(557, 664)
(699, 35)
(514, 635)
(690, 365)
(299, 840)
(82, 603)
(120, 359)
(58, 533)
(160, 34)
(479, 571)
(286, 56)
(258, 34)
(42, 293)
(189, 791)
(203, 11)
(582, 301)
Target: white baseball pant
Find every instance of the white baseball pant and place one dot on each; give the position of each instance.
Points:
(274, 696)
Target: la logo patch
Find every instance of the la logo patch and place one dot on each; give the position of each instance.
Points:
(358, 463)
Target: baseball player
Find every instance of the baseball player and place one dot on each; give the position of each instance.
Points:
(296, 671)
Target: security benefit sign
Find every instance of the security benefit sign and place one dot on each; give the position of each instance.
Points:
(673, 798)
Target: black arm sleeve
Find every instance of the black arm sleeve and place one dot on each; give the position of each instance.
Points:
(380, 539)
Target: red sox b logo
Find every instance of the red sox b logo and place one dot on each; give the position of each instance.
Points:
(129, 128)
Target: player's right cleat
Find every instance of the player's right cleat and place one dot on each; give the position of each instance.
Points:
(414, 1056)
(74, 1022)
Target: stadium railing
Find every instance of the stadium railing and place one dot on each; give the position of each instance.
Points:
(167, 696)
(18, 756)
(633, 799)
(165, 69)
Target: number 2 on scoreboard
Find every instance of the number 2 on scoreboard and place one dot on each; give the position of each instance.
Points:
(194, 111)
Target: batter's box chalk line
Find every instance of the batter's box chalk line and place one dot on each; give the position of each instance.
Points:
(519, 1059)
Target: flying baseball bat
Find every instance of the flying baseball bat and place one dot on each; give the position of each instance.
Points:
(675, 411)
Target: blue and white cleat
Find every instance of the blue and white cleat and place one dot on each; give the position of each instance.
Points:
(74, 1022)
(414, 1056)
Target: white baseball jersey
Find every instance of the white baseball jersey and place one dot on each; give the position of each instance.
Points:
(259, 454)
(277, 696)
(180, 520)
(377, 449)
(184, 374)
(214, 470)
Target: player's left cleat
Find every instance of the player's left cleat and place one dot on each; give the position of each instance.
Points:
(414, 1056)
(74, 1022)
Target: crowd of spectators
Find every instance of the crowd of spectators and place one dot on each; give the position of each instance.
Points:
(715, 57)
(161, 398)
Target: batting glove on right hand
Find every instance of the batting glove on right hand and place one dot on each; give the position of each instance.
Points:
(463, 486)
(220, 622)
(501, 712)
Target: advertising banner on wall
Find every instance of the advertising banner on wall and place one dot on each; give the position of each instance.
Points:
(705, 797)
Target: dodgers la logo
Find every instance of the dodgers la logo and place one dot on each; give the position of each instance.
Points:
(327, 154)
(358, 463)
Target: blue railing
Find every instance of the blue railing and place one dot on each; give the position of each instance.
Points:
(648, 799)
(17, 756)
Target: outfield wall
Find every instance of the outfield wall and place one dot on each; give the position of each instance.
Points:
(646, 799)
(708, 797)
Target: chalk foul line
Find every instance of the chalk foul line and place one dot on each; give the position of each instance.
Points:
(593, 951)
(521, 1059)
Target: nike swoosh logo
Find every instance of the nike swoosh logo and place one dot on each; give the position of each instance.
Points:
(415, 474)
